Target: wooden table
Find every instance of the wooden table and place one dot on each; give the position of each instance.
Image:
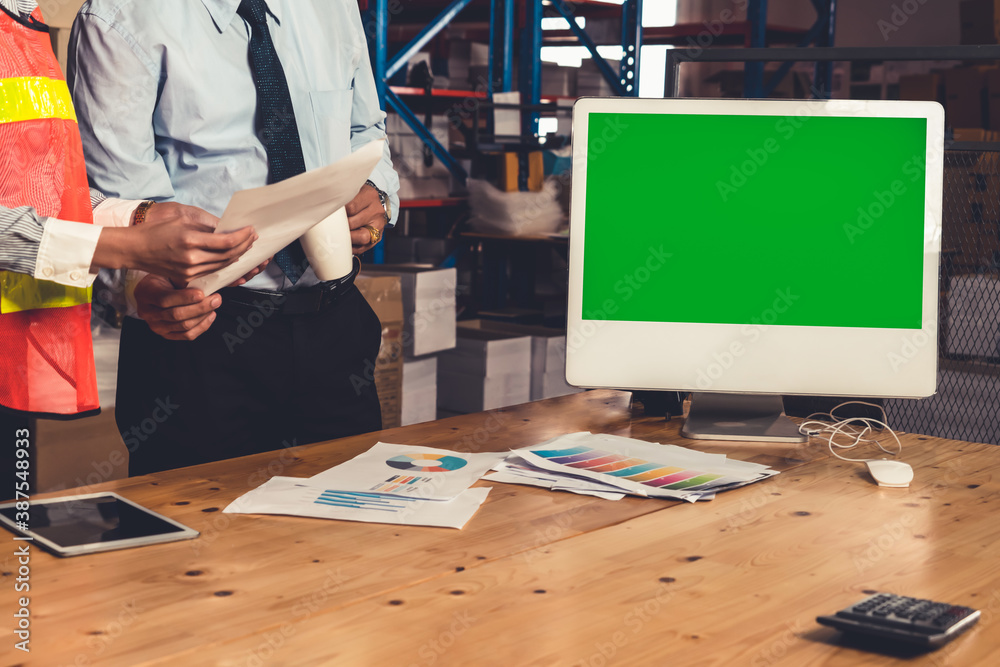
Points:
(536, 577)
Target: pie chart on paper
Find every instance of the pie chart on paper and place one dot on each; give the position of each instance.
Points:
(426, 462)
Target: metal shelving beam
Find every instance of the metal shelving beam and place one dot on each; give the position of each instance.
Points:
(501, 46)
(821, 34)
(615, 80)
(631, 46)
(529, 79)
(425, 35)
(823, 78)
(822, 55)
(440, 152)
(753, 72)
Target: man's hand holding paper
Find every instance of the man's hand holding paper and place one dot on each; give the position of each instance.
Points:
(285, 211)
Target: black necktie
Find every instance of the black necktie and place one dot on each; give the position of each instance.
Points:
(275, 122)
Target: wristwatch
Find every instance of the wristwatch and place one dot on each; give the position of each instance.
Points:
(384, 198)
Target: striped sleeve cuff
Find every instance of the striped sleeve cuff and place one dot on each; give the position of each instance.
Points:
(21, 230)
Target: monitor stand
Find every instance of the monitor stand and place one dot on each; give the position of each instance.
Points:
(752, 417)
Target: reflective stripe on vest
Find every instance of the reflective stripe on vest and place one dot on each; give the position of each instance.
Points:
(21, 292)
(36, 98)
(33, 98)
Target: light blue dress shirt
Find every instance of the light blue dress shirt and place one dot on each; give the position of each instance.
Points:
(166, 99)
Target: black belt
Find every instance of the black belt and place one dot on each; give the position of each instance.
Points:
(313, 299)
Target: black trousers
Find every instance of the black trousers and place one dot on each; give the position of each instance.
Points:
(256, 381)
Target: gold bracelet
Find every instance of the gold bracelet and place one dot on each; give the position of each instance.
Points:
(139, 215)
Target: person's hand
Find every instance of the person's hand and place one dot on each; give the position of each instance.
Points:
(182, 246)
(176, 241)
(253, 272)
(365, 209)
(175, 314)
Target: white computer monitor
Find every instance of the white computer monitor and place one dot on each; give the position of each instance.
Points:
(748, 249)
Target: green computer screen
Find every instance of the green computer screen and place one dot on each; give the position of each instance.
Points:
(741, 219)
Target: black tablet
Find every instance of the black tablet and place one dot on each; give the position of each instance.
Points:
(75, 525)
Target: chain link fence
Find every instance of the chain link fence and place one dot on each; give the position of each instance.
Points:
(967, 403)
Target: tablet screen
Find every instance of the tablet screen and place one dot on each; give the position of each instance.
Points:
(95, 523)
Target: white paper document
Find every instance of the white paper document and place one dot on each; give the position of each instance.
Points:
(514, 474)
(282, 212)
(300, 497)
(408, 471)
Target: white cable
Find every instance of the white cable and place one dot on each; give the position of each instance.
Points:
(851, 428)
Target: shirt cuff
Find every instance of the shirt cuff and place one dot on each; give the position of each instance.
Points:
(132, 278)
(66, 253)
(382, 182)
(115, 212)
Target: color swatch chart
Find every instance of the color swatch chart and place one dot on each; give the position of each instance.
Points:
(625, 467)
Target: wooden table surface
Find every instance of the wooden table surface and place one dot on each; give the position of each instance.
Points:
(536, 577)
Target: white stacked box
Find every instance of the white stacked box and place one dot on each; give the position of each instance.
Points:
(591, 83)
(548, 367)
(428, 306)
(419, 390)
(485, 370)
(548, 356)
(559, 81)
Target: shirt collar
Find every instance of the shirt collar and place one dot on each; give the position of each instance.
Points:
(19, 7)
(223, 11)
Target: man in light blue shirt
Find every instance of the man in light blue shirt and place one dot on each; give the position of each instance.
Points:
(167, 107)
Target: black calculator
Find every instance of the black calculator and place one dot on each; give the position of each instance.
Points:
(904, 619)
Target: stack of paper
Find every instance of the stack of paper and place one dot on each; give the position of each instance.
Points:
(417, 486)
(419, 402)
(610, 465)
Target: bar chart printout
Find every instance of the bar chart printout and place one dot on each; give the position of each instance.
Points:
(299, 497)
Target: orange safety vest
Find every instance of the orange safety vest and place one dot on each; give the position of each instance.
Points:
(46, 354)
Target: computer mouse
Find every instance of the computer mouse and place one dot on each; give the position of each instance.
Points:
(890, 473)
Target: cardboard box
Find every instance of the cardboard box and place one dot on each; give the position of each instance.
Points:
(78, 453)
(486, 370)
(978, 21)
(965, 97)
(972, 134)
(559, 81)
(419, 390)
(384, 295)
(88, 451)
(548, 356)
(428, 305)
(993, 99)
(510, 172)
(920, 87)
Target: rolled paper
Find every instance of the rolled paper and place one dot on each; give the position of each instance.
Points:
(328, 246)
